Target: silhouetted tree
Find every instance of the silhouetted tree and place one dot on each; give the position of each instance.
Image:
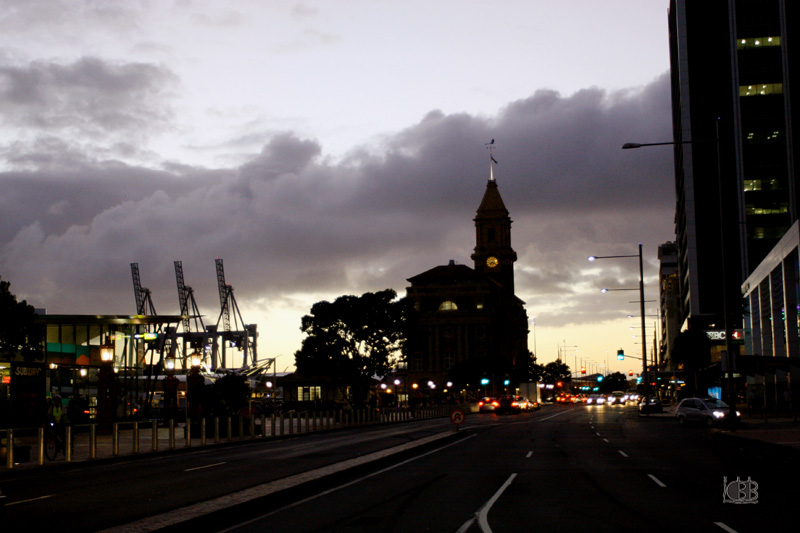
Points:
(354, 338)
(556, 371)
(18, 332)
(231, 393)
(614, 382)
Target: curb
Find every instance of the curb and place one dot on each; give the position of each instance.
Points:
(198, 515)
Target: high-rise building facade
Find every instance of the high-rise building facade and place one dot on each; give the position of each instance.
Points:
(733, 77)
(669, 302)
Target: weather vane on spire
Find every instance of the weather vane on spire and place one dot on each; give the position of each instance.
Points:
(492, 160)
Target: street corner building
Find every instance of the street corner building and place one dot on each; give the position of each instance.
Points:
(471, 325)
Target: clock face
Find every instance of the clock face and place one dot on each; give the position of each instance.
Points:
(491, 262)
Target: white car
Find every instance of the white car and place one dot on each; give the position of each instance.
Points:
(708, 411)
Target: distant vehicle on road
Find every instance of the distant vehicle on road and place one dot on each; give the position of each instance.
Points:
(616, 398)
(595, 399)
(650, 404)
(525, 404)
(708, 411)
(511, 404)
(488, 405)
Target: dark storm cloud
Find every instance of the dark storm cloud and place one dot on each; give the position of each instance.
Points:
(291, 221)
(89, 97)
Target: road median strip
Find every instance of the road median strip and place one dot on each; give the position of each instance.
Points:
(223, 502)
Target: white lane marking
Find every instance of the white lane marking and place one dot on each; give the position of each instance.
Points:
(483, 514)
(726, 528)
(530, 454)
(466, 525)
(202, 467)
(623, 454)
(549, 417)
(605, 440)
(9, 504)
(658, 481)
(334, 489)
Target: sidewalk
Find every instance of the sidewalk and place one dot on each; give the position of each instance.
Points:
(26, 446)
(780, 429)
(145, 441)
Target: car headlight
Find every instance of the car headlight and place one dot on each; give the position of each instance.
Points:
(718, 414)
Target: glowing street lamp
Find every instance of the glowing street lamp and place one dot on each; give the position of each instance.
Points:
(107, 387)
(592, 258)
(727, 292)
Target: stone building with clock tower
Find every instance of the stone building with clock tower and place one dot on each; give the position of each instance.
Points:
(471, 325)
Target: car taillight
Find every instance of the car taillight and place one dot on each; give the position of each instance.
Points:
(480, 404)
(496, 404)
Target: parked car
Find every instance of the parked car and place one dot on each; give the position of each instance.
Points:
(708, 411)
(650, 404)
(488, 405)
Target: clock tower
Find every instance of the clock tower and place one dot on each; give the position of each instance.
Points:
(493, 254)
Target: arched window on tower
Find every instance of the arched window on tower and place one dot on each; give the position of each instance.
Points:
(448, 305)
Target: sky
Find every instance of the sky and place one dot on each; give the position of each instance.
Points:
(323, 148)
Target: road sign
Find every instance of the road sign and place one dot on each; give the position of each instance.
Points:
(457, 417)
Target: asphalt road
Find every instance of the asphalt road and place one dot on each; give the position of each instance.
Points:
(564, 468)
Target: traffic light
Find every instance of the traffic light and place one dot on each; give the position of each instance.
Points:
(630, 372)
(507, 382)
(599, 378)
(621, 354)
(583, 370)
(485, 381)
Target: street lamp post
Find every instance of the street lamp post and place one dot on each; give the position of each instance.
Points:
(107, 386)
(726, 299)
(641, 308)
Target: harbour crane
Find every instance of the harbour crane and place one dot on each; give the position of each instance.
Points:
(194, 331)
(242, 336)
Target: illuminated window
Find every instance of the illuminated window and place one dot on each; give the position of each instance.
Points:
(758, 42)
(775, 210)
(308, 394)
(763, 136)
(447, 305)
(752, 185)
(761, 89)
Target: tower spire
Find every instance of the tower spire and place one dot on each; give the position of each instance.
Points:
(492, 160)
